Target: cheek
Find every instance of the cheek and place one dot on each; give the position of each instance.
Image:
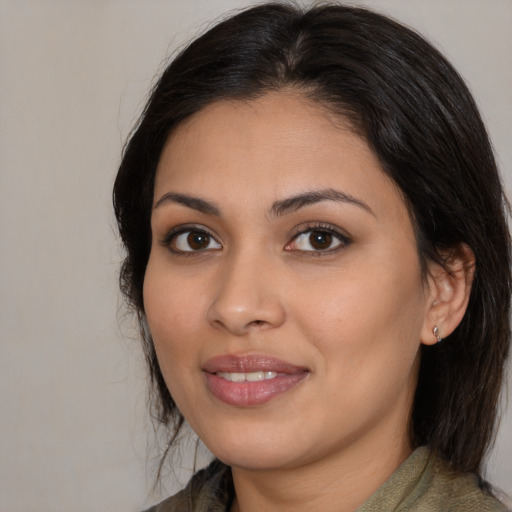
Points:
(365, 320)
(172, 316)
(366, 334)
(350, 304)
(172, 312)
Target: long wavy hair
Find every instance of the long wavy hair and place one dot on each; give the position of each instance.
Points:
(418, 117)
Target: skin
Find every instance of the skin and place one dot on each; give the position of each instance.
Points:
(353, 315)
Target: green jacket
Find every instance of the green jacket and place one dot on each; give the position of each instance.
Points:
(422, 483)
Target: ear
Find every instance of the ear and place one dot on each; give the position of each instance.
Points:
(449, 288)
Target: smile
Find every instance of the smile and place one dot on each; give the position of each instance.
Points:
(247, 377)
(251, 380)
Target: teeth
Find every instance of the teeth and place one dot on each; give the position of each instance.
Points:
(254, 376)
(249, 377)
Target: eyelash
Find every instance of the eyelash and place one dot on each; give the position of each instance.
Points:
(174, 233)
(319, 227)
(324, 228)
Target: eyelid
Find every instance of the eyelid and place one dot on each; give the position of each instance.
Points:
(299, 230)
(174, 232)
(320, 226)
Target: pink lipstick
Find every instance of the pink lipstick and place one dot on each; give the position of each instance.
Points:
(249, 380)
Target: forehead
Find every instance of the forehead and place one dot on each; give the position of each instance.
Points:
(273, 146)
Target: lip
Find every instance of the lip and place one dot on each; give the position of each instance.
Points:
(247, 394)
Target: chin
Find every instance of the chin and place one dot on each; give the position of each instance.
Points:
(259, 451)
(255, 459)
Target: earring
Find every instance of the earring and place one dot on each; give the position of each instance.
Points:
(435, 332)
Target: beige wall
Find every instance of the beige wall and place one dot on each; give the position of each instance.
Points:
(73, 76)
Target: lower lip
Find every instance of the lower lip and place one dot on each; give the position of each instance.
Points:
(246, 394)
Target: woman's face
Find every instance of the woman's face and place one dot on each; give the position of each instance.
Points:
(283, 290)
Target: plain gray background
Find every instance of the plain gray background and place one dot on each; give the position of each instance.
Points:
(73, 77)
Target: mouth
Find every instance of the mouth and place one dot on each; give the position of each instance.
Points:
(250, 380)
(247, 377)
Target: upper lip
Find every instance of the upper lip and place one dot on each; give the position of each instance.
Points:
(246, 363)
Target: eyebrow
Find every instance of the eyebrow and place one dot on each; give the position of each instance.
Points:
(294, 203)
(278, 209)
(195, 203)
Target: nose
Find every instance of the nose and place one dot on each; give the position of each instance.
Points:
(248, 297)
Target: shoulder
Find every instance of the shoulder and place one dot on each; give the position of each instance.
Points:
(462, 492)
(425, 483)
(209, 490)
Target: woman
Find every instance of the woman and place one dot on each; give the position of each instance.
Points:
(318, 253)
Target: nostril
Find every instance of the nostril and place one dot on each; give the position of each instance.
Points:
(241, 311)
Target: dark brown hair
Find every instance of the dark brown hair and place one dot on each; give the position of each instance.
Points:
(418, 117)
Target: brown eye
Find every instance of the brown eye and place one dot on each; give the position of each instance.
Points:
(193, 241)
(320, 240)
(197, 240)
